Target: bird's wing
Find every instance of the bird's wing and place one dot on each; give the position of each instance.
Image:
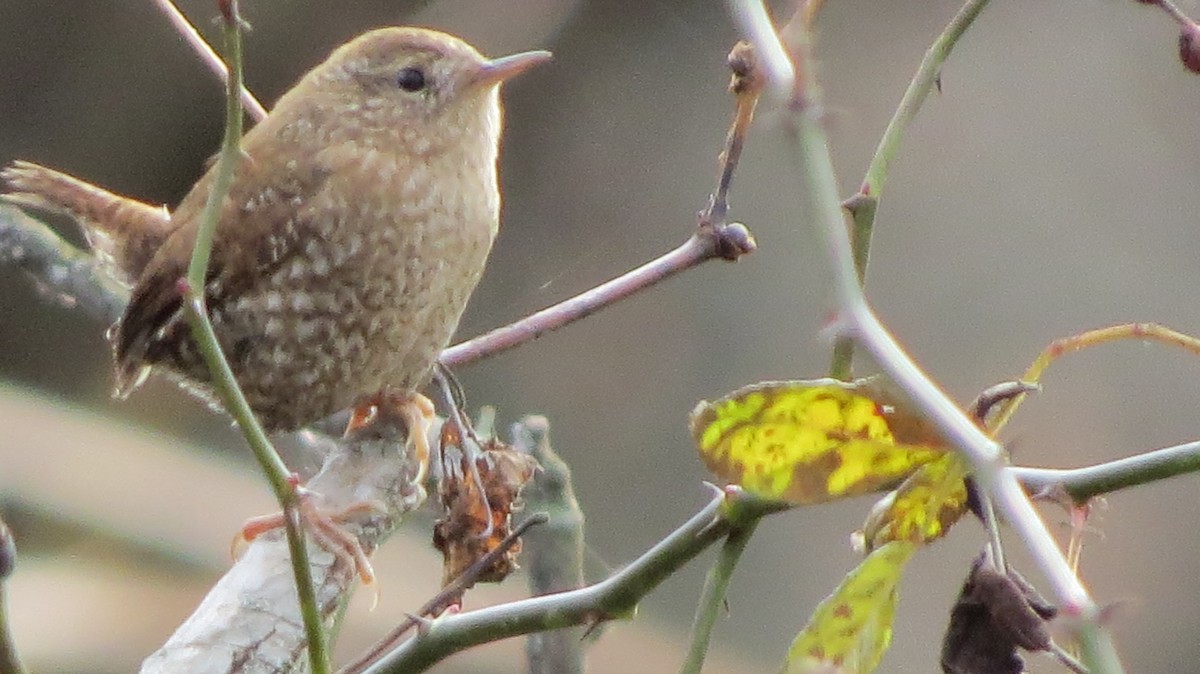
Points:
(262, 222)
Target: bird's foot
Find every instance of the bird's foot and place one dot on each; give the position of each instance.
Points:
(415, 410)
(324, 525)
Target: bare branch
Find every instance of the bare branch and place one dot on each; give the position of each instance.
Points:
(208, 55)
(707, 243)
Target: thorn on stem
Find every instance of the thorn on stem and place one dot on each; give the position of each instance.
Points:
(858, 200)
(837, 326)
(713, 489)
(422, 623)
(593, 623)
(993, 395)
(232, 15)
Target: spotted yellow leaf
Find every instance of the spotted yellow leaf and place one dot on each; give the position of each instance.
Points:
(810, 441)
(850, 631)
(923, 508)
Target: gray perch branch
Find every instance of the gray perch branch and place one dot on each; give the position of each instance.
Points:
(250, 620)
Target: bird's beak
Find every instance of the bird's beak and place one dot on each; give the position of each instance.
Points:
(507, 67)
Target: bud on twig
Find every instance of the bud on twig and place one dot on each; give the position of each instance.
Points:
(1189, 46)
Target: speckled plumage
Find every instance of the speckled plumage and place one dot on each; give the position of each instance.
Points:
(357, 226)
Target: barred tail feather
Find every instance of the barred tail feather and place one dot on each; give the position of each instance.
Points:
(123, 233)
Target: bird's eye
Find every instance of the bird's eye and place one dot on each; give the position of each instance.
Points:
(411, 79)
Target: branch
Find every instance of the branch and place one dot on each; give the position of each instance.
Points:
(727, 242)
(552, 554)
(208, 55)
(69, 276)
(864, 204)
(714, 238)
(193, 288)
(712, 599)
(615, 597)
(1082, 484)
(803, 130)
(250, 620)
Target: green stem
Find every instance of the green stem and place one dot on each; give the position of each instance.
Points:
(1086, 483)
(805, 131)
(863, 205)
(224, 382)
(615, 597)
(716, 584)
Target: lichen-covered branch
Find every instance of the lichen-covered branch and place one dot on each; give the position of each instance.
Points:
(553, 553)
(63, 272)
(250, 620)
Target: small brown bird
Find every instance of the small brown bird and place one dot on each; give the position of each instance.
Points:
(358, 225)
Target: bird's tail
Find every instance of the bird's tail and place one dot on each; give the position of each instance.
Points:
(124, 233)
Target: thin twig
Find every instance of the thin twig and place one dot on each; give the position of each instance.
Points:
(1175, 12)
(712, 598)
(1113, 333)
(208, 55)
(746, 85)
(284, 486)
(728, 242)
(805, 132)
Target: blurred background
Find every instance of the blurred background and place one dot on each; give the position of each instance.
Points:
(1051, 188)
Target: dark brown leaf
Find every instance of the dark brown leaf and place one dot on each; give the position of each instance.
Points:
(995, 614)
(477, 523)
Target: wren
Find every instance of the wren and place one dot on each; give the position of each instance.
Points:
(358, 224)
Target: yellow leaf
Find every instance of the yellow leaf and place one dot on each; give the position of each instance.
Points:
(923, 508)
(810, 441)
(850, 631)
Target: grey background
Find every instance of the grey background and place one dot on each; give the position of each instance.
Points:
(1051, 188)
